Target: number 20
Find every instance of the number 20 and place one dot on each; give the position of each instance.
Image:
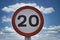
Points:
(24, 25)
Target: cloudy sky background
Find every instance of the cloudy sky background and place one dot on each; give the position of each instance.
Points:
(50, 10)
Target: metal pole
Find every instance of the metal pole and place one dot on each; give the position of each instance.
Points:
(27, 38)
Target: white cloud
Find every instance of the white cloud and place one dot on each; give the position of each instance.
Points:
(14, 7)
(8, 33)
(44, 28)
(8, 29)
(46, 10)
(1, 33)
(6, 19)
(52, 28)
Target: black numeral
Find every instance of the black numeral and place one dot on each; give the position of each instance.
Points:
(37, 20)
(24, 25)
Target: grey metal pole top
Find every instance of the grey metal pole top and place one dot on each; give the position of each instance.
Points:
(27, 38)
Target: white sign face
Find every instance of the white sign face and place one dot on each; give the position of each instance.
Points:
(27, 21)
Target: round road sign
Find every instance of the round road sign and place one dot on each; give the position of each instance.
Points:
(27, 21)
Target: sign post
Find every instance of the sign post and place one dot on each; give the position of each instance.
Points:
(27, 21)
(27, 38)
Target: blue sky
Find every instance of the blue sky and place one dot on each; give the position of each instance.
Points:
(49, 8)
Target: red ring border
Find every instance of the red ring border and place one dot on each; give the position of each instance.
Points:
(27, 34)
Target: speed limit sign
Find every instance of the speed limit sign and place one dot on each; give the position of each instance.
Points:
(27, 21)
